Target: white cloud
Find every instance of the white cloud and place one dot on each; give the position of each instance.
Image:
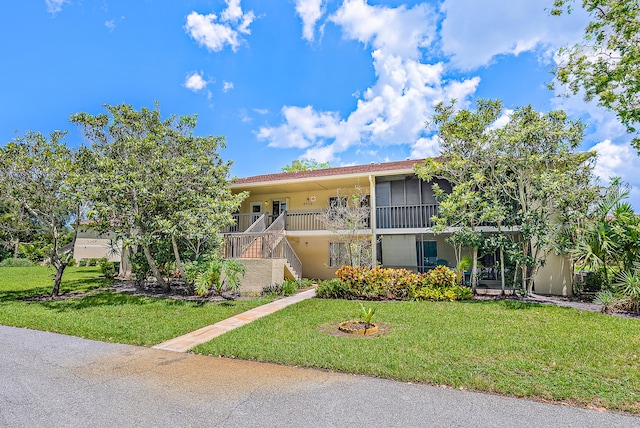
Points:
(227, 86)
(397, 31)
(55, 6)
(392, 111)
(426, 147)
(310, 11)
(502, 120)
(475, 32)
(215, 34)
(195, 82)
(617, 160)
(112, 23)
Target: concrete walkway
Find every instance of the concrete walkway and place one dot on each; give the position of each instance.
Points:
(205, 334)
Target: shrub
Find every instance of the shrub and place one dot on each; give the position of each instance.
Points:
(377, 283)
(288, 287)
(607, 300)
(332, 289)
(440, 276)
(16, 262)
(215, 275)
(108, 268)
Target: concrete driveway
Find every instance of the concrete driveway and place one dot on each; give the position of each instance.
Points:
(52, 380)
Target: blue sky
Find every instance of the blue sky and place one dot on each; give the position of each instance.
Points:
(348, 82)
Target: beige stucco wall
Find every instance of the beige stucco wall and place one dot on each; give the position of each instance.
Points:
(313, 252)
(554, 277)
(306, 200)
(94, 248)
(261, 272)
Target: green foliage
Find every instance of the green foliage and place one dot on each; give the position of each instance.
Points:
(13, 262)
(288, 287)
(607, 300)
(606, 65)
(463, 266)
(35, 253)
(592, 281)
(305, 165)
(152, 181)
(331, 289)
(608, 240)
(39, 178)
(108, 268)
(525, 174)
(215, 275)
(366, 315)
(629, 287)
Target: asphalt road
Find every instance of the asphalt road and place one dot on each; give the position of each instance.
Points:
(52, 380)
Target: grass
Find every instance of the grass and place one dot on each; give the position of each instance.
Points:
(103, 314)
(506, 347)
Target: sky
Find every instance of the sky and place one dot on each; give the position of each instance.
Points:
(345, 82)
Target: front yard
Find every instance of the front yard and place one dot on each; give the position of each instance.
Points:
(505, 347)
(100, 313)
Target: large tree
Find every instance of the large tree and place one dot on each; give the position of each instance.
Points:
(607, 62)
(464, 142)
(38, 176)
(151, 180)
(526, 174)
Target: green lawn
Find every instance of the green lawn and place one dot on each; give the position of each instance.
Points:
(102, 315)
(506, 347)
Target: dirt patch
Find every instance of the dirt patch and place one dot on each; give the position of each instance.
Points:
(178, 291)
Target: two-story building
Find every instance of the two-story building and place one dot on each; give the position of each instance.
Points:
(281, 228)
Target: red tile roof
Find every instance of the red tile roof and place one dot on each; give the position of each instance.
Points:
(332, 172)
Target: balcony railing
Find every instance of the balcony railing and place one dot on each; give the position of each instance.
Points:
(243, 222)
(405, 216)
(305, 220)
(392, 217)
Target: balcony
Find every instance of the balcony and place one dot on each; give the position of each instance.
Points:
(405, 216)
(391, 217)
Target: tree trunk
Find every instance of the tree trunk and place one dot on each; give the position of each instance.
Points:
(16, 248)
(474, 268)
(154, 269)
(176, 254)
(57, 279)
(502, 285)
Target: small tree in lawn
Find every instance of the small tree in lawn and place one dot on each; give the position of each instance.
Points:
(347, 216)
(38, 174)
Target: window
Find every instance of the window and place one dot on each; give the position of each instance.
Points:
(338, 254)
